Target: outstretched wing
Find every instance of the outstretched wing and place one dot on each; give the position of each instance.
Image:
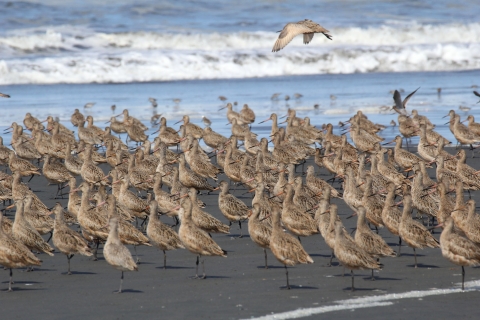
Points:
(405, 101)
(398, 107)
(307, 37)
(290, 31)
(476, 93)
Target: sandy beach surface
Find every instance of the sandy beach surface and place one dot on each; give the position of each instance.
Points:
(238, 286)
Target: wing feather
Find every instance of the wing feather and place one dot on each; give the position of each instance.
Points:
(290, 31)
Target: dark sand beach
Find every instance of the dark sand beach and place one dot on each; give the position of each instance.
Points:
(237, 286)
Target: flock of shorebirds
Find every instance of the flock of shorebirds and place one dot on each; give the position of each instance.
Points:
(284, 207)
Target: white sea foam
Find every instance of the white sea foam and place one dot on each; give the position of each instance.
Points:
(369, 302)
(80, 55)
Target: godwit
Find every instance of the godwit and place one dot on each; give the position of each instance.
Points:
(350, 254)
(191, 128)
(372, 204)
(445, 175)
(247, 114)
(77, 118)
(423, 201)
(471, 227)
(463, 134)
(116, 254)
(231, 207)
(74, 200)
(43, 223)
(92, 224)
(285, 247)
(190, 179)
(13, 254)
(446, 205)
(412, 231)
(295, 219)
(55, 173)
(26, 234)
(459, 214)
(116, 126)
(22, 166)
(161, 235)
(212, 138)
(127, 198)
(232, 114)
(418, 119)
(4, 152)
(369, 241)
(88, 135)
(459, 250)
(306, 27)
(89, 171)
(73, 164)
(274, 119)
(65, 239)
(30, 121)
(259, 232)
(203, 219)
(51, 123)
(195, 239)
(426, 150)
(239, 130)
(132, 120)
(391, 215)
(467, 173)
(402, 157)
(26, 150)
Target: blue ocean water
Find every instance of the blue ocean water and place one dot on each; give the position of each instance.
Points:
(56, 56)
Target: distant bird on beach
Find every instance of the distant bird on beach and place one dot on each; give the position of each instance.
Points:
(477, 94)
(89, 105)
(206, 121)
(275, 96)
(287, 97)
(298, 95)
(113, 107)
(393, 123)
(333, 97)
(177, 101)
(153, 101)
(399, 104)
(306, 27)
(222, 98)
(3, 95)
(155, 118)
(464, 108)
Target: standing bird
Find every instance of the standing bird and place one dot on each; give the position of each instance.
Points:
(14, 254)
(161, 235)
(206, 121)
(306, 27)
(285, 247)
(65, 239)
(116, 254)
(153, 101)
(89, 105)
(458, 249)
(195, 239)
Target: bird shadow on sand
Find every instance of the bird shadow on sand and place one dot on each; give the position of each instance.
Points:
(298, 287)
(320, 255)
(421, 265)
(129, 291)
(16, 289)
(377, 278)
(270, 267)
(349, 289)
(77, 273)
(174, 267)
(39, 269)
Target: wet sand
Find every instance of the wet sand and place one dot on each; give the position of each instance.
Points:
(237, 286)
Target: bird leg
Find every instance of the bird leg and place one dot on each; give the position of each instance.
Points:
(463, 277)
(121, 282)
(353, 287)
(196, 269)
(331, 259)
(415, 254)
(51, 235)
(69, 256)
(399, 246)
(240, 226)
(11, 281)
(97, 242)
(203, 267)
(136, 254)
(31, 177)
(265, 252)
(286, 272)
(164, 260)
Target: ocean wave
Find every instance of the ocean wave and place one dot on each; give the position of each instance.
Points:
(80, 55)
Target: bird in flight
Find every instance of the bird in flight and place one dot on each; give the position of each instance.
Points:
(306, 27)
(477, 94)
(400, 106)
